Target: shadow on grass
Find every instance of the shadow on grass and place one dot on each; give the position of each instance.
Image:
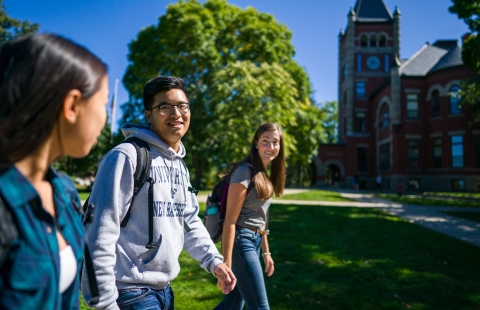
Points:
(352, 258)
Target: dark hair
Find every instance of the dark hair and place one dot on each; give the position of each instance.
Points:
(264, 185)
(161, 83)
(36, 74)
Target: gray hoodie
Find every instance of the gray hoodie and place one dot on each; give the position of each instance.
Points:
(119, 254)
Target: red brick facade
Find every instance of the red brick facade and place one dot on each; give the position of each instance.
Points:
(398, 118)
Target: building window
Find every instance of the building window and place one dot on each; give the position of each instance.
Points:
(382, 40)
(384, 116)
(364, 40)
(455, 107)
(414, 183)
(458, 185)
(344, 97)
(457, 151)
(477, 151)
(373, 40)
(361, 159)
(435, 103)
(344, 126)
(437, 152)
(387, 63)
(385, 156)
(412, 153)
(360, 122)
(359, 62)
(360, 90)
(412, 106)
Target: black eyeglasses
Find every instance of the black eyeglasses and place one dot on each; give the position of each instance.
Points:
(167, 109)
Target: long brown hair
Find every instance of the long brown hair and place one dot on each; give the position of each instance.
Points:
(36, 73)
(264, 185)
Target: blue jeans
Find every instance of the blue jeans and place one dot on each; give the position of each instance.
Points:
(250, 288)
(145, 299)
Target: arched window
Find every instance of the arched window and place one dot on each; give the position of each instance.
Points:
(435, 103)
(382, 40)
(364, 40)
(455, 107)
(384, 117)
(373, 40)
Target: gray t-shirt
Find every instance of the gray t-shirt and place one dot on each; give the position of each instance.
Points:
(254, 210)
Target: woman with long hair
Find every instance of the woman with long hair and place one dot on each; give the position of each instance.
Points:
(245, 227)
(53, 95)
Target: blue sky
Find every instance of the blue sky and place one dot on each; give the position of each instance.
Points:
(106, 28)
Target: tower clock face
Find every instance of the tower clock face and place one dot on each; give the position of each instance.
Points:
(373, 63)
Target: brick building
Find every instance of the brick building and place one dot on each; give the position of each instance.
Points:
(399, 118)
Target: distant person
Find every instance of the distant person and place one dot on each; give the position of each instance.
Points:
(245, 228)
(400, 189)
(378, 181)
(133, 273)
(356, 183)
(53, 96)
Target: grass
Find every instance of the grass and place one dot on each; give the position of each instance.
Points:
(454, 194)
(351, 258)
(317, 195)
(471, 216)
(83, 195)
(428, 202)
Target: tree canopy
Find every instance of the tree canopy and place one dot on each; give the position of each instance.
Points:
(469, 11)
(11, 27)
(239, 68)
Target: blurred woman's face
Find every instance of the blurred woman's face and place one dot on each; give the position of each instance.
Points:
(92, 115)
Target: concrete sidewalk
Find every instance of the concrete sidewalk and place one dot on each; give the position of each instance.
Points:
(430, 217)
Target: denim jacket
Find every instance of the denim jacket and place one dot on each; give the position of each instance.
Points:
(29, 278)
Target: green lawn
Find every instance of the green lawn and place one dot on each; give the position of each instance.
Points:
(351, 258)
(317, 195)
(83, 196)
(471, 216)
(428, 202)
(454, 194)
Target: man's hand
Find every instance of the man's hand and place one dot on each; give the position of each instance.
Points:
(226, 279)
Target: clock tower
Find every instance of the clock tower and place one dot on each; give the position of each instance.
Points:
(368, 50)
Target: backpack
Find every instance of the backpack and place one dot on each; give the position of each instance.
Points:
(214, 214)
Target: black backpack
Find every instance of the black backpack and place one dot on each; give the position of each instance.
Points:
(214, 214)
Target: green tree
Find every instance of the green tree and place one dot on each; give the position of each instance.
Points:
(330, 121)
(469, 11)
(11, 27)
(207, 45)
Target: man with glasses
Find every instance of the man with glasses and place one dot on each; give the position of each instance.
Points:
(131, 273)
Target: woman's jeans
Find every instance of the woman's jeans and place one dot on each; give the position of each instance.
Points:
(250, 288)
(145, 299)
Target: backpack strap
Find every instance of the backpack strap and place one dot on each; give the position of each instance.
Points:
(150, 245)
(8, 231)
(251, 186)
(144, 162)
